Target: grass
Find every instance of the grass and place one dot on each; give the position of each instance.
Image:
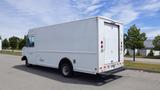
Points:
(10, 53)
(142, 66)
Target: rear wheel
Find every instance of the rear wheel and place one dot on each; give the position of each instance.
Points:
(66, 69)
(27, 64)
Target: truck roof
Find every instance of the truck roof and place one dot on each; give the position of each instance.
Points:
(100, 17)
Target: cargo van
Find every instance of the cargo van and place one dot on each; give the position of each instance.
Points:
(93, 45)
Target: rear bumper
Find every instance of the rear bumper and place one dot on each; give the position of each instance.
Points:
(112, 71)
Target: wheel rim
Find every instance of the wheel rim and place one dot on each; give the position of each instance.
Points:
(65, 70)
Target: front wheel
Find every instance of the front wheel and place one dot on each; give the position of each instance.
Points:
(66, 70)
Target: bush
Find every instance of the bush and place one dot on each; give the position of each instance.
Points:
(151, 53)
(127, 54)
(138, 54)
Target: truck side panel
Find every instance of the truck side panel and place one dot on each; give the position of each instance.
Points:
(76, 41)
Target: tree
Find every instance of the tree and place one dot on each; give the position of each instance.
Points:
(5, 44)
(156, 42)
(22, 42)
(134, 39)
(13, 41)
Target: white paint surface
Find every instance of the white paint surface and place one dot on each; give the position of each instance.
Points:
(76, 40)
(0, 44)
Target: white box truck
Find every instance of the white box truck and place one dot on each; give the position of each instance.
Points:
(0, 43)
(93, 46)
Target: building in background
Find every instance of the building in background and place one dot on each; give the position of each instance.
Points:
(145, 51)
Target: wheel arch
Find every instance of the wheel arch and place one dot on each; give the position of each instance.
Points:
(65, 60)
(24, 58)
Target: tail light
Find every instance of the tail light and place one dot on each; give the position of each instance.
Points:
(101, 42)
(102, 46)
(121, 46)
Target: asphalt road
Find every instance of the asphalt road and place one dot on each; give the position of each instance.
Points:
(145, 60)
(15, 76)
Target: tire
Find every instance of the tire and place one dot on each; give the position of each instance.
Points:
(66, 70)
(27, 64)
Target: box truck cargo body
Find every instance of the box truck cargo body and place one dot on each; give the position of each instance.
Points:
(93, 45)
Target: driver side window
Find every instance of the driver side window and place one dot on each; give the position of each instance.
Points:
(30, 41)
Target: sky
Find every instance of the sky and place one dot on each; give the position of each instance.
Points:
(18, 16)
